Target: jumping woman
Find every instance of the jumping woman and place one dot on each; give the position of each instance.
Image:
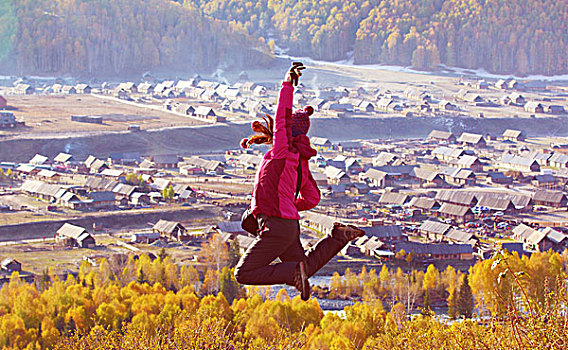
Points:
(284, 186)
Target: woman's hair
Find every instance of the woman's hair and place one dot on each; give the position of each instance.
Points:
(264, 133)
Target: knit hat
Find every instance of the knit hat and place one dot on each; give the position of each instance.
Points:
(301, 121)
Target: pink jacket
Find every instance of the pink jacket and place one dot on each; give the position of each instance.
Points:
(276, 180)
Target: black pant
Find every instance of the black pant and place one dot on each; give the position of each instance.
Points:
(280, 238)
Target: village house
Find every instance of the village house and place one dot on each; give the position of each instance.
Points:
(534, 107)
(497, 177)
(350, 147)
(375, 178)
(3, 102)
(443, 136)
(336, 176)
(7, 120)
(555, 109)
(385, 233)
(23, 89)
(319, 222)
(38, 159)
(321, 144)
(460, 237)
(393, 198)
(436, 251)
(171, 230)
(448, 154)
(11, 265)
(49, 176)
(457, 213)
(463, 198)
(426, 177)
(540, 240)
(472, 140)
(554, 199)
(102, 199)
(558, 160)
(514, 135)
(547, 181)
(385, 158)
(425, 204)
(74, 236)
(518, 163)
(388, 105)
(45, 191)
(458, 176)
(146, 88)
(63, 159)
(469, 162)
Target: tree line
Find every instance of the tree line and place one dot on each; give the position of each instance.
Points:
(503, 36)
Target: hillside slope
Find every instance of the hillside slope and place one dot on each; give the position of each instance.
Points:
(93, 38)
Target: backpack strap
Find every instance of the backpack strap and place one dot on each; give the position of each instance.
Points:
(299, 179)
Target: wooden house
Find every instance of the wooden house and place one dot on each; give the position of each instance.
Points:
(514, 135)
(436, 251)
(456, 212)
(534, 107)
(11, 265)
(554, 199)
(472, 140)
(74, 236)
(171, 230)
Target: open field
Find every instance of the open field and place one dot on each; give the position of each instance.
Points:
(51, 115)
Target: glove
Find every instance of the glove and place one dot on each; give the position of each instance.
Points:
(294, 73)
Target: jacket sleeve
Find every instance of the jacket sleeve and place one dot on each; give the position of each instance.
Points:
(309, 196)
(282, 123)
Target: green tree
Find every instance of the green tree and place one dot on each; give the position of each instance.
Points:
(465, 299)
(168, 193)
(230, 288)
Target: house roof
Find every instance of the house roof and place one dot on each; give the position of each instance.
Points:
(434, 227)
(517, 160)
(168, 226)
(458, 197)
(424, 174)
(124, 189)
(320, 141)
(230, 226)
(440, 135)
(71, 231)
(461, 236)
(47, 173)
(319, 219)
(513, 133)
(470, 138)
(165, 159)
(454, 210)
(384, 232)
(394, 198)
(375, 174)
(495, 203)
(424, 203)
(433, 248)
(203, 110)
(38, 159)
(103, 196)
(449, 152)
(549, 196)
(62, 157)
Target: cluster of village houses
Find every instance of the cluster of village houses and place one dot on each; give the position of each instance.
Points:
(212, 101)
(440, 198)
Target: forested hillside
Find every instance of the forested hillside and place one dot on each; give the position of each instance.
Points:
(104, 36)
(117, 37)
(506, 36)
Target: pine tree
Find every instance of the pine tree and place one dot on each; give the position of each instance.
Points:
(465, 299)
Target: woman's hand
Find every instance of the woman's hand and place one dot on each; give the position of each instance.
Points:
(294, 73)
